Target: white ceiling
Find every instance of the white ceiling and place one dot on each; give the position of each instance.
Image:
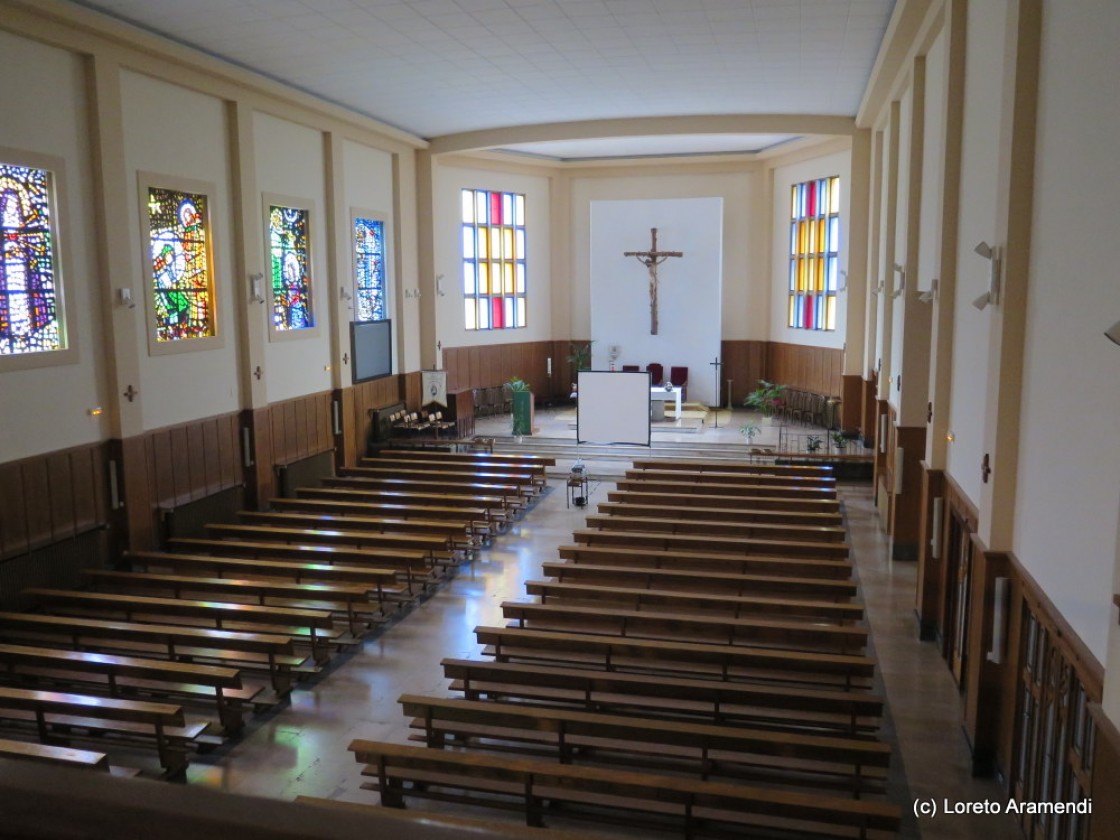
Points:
(441, 67)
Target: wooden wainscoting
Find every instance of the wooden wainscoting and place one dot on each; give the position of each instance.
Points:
(1106, 776)
(355, 405)
(169, 467)
(744, 363)
(928, 592)
(816, 369)
(281, 434)
(906, 509)
(49, 498)
(487, 365)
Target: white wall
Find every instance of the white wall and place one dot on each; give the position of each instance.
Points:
(745, 292)
(180, 133)
(688, 286)
(290, 163)
(44, 408)
(448, 183)
(784, 179)
(933, 167)
(1069, 458)
(976, 222)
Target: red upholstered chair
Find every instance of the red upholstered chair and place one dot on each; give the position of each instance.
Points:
(679, 377)
(630, 369)
(656, 373)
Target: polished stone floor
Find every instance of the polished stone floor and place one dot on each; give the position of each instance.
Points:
(301, 748)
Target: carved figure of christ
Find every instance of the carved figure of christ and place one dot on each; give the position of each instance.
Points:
(651, 259)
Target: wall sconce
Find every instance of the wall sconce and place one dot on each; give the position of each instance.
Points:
(412, 293)
(344, 294)
(843, 286)
(1113, 333)
(124, 296)
(439, 286)
(931, 293)
(991, 254)
(96, 411)
(878, 289)
(902, 285)
(256, 288)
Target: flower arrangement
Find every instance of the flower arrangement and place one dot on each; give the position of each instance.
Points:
(750, 432)
(767, 397)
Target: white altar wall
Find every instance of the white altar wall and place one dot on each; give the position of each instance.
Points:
(688, 287)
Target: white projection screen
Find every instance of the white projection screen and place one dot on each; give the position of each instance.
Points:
(612, 407)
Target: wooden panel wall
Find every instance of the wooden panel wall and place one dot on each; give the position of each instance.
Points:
(356, 404)
(816, 369)
(493, 364)
(744, 363)
(300, 428)
(53, 497)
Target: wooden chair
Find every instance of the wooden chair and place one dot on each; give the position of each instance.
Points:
(631, 369)
(656, 373)
(678, 376)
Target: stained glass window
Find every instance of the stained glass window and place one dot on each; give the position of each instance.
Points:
(369, 269)
(493, 244)
(290, 257)
(814, 258)
(29, 311)
(182, 278)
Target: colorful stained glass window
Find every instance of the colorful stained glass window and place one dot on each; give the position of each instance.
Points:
(290, 257)
(814, 253)
(494, 275)
(29, 311)
(182, 278)
(369, 269)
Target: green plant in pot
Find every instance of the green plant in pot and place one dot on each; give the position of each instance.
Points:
(813, 443)
(750, 432)
(580, 356)
(766, 398)
(839, 441)
(517, 384)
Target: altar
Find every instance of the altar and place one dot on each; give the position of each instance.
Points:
(657, 394)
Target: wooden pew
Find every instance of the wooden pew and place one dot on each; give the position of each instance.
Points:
(315, 627)
(382, 581)
(697, 603)
(118, 674)
(161, 724)
(512, 499)
(711, 542)
(744, 486)
(713, 561)
(786, 707)
(478, 521)
(457, 535)
(792, 759)
(731, 495)
(631, 504)
(686, 580)
(474, 457)
(498, 510)
(175, 642)
(748, 467)
(526, 484)
(415, 567)
(350, 599)
(429, 464)
(690, 659)
(780, 483)
(645, 799)
(435, 548)
(49, 754)
(724, 526)
(633, 493)
(711, 629)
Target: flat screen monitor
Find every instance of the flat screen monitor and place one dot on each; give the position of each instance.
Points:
(371, 349)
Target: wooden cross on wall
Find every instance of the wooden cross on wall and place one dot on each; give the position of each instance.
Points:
(651, 259)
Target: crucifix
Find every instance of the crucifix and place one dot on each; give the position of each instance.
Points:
(651, 259)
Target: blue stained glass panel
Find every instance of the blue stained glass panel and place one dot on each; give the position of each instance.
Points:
(369, 269)
(290, 258)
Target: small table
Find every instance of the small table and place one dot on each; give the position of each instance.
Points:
(577, 489)
(659, 394)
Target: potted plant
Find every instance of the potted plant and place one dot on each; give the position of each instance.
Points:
(522, 406)
(813, 443)
(750, 431)
(839, 441)
(766, 398)
(580, 357)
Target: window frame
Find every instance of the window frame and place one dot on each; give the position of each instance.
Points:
(829, 285)
(146, 181)
(268, 201)
(61, 249)
(514, 261)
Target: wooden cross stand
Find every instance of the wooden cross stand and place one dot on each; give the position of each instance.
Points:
(651, 259)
